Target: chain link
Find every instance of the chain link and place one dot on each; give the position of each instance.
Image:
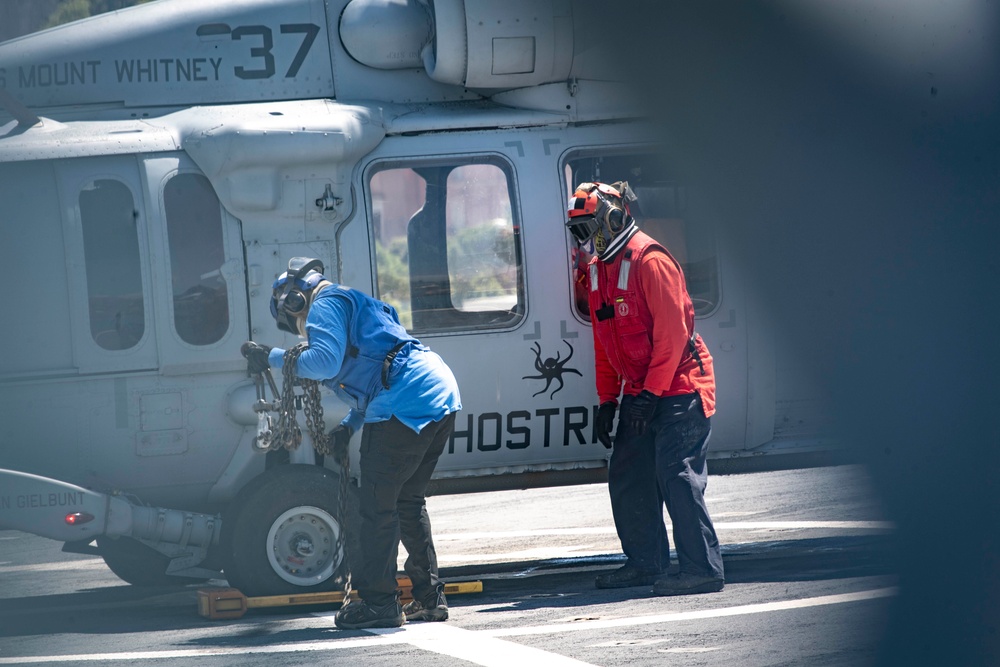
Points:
(287, 434)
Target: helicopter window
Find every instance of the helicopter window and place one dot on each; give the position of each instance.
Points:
(447, 248)
(666, 209)
(194, 230)
(111, 252)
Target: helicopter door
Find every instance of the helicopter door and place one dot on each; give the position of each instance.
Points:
(201, 303)
(107, 260)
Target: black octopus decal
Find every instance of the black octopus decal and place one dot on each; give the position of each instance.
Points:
(551, 369)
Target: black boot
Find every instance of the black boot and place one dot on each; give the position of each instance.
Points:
(434, 608)
(359, 614)
(627, 575)
(688, 584)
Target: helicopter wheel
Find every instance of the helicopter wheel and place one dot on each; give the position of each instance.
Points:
(280, 533)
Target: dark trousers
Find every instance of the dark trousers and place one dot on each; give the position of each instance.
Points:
(666, 464)
(396, 465)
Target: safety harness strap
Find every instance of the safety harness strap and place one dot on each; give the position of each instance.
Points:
(389, 358)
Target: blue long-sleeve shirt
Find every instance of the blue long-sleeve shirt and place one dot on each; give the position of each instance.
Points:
(422, 391)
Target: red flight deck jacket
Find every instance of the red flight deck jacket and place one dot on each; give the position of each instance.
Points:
(643, 323)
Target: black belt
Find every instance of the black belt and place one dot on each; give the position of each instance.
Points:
(389, 358)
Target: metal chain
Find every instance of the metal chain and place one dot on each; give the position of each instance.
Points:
(287, 434)
(342, 535)
(313, 410)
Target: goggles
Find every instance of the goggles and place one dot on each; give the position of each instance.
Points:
(583, 228)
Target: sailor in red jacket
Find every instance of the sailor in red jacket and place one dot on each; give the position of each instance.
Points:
(647, 352)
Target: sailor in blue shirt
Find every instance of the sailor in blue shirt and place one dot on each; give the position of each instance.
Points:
(406, 398)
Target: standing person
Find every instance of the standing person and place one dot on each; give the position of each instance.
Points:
(647, 352)
(406, 397)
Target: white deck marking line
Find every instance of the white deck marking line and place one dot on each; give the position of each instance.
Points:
(436, 638)
(692, 649)
(431, 639)
(693, 615)
(472, 646)
(805, 525)
(305, 647)
(722, 525)
(64, 565)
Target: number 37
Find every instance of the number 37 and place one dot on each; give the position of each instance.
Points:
(263, 50)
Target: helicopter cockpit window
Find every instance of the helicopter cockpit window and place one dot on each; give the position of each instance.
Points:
(114, 276)
(666, 209)
(447, 245)
(194, 230)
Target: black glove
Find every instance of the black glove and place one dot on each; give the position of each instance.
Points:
(605, 421)
(640, 411)
(340, 439)
(256, 356)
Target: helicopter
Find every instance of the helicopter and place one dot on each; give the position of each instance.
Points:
(160, 164)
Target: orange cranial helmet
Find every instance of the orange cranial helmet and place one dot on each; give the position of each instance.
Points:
(601, 212)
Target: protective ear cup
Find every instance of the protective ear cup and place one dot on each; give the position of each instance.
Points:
(615, 218)
(295, 302)
(288, 298)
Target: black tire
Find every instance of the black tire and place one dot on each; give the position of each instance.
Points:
(138, 564)
(279, 533)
